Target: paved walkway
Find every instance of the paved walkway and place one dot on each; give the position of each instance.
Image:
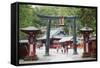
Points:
(56, 57)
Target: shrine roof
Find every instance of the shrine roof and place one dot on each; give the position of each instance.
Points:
(64, 39)
(55, 33)
(86, 29)
(23, 41)
(30, 28)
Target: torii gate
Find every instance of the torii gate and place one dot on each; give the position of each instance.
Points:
(49, 18)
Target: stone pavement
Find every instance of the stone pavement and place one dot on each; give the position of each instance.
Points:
(56, 57)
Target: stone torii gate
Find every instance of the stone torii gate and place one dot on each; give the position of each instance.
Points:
(49, 18)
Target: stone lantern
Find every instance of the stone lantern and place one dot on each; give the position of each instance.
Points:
(31, 32)
(87, 43)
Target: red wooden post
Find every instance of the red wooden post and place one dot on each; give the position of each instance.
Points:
(31, 44)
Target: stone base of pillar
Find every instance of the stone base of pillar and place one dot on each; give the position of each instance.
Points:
(75, 53)
(86, 55)
(31, 58)
(75, 50)
(46, 55)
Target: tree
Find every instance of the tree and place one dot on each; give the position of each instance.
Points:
(88, 17)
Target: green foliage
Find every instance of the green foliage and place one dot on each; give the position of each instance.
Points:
(28, 17)
(25, 15)
(87, 16)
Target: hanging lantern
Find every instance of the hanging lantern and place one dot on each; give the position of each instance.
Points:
(61, 21)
